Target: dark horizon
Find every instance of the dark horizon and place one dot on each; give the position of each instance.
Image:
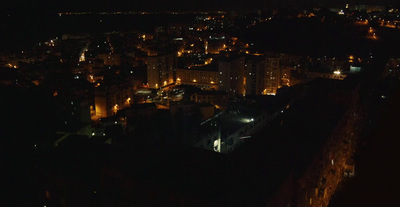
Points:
(33, 6)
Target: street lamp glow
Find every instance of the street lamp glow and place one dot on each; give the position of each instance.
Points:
(337, 72)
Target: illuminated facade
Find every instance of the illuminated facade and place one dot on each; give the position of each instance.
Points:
(285, 76)
(264, 75)
(109, 99)
(272, 75)
(201, 76)
(160, 70)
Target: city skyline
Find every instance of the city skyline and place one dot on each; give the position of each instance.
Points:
(242, 107)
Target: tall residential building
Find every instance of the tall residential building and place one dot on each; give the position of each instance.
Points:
(285, 75)
(272, 75)
(264, 75)
(255, 70)
(160, 70)
(231, 71)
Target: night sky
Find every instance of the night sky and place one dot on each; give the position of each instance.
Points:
(95, 5)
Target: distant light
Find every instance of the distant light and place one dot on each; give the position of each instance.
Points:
(337, 72)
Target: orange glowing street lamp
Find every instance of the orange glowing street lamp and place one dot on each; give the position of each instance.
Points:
(115, 108)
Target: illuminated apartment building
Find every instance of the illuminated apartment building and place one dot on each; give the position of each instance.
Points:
(272, 76)
(160, 70)
(203, 76)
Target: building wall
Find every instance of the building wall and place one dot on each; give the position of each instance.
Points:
(160, 70)
(254, 77)
(198, 77)
(272, 75)
(218, 100)
(207, 112)
(110, 99)
(110, 59)
(232, 75)
(285, 76)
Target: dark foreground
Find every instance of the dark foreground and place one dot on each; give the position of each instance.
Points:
(377, 172)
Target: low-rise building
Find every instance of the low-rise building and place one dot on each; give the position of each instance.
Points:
(202, 76)
(217, 98)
